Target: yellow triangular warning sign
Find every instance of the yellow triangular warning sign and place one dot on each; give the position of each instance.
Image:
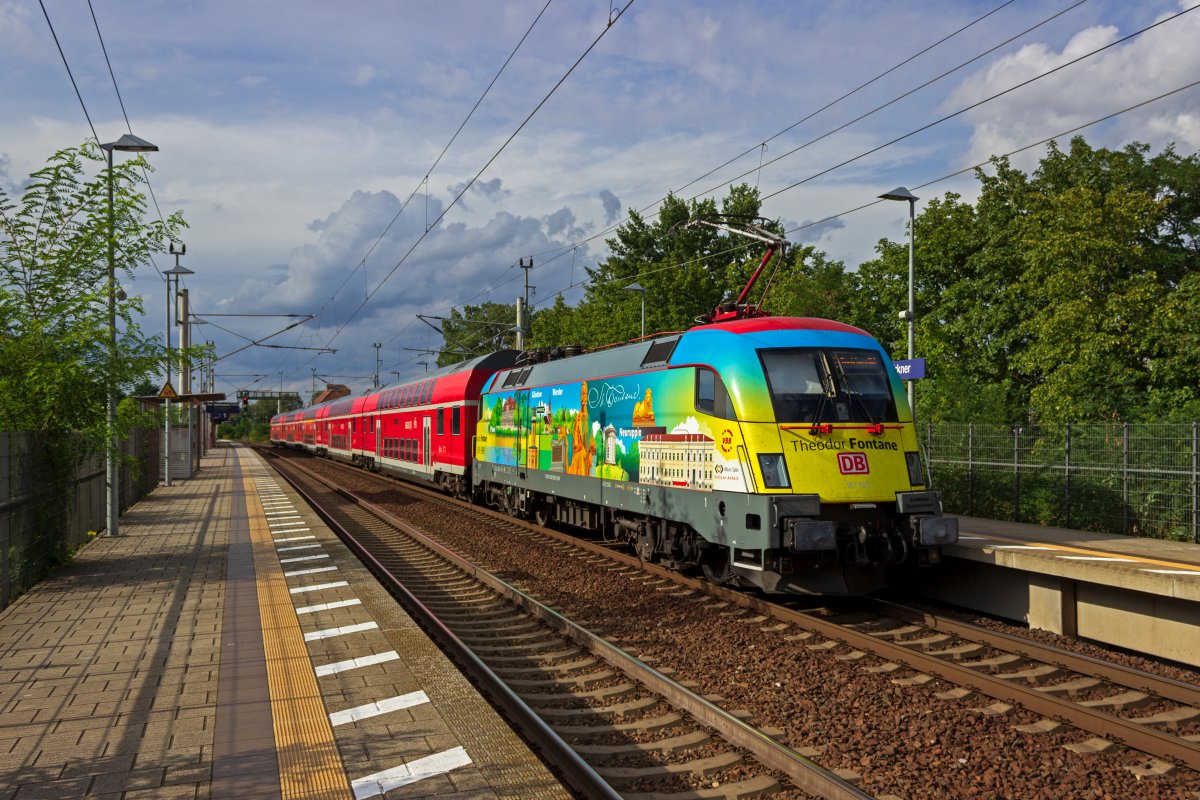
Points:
(167, 392)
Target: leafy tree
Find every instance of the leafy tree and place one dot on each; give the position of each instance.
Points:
(55, 365)
(475, 331)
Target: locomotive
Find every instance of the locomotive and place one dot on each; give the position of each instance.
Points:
(769, 452)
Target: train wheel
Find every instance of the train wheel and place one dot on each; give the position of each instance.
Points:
(715, 565)
(541, 515)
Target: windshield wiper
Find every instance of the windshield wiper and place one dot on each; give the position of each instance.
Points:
(828, 392)
(852, 390)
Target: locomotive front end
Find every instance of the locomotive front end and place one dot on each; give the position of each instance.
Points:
(832, 457)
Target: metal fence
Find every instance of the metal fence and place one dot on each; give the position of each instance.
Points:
(39, 526)
(1137, 479)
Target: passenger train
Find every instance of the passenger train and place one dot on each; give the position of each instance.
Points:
(770, 452)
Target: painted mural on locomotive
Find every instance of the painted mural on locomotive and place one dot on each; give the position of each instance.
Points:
(641, 428)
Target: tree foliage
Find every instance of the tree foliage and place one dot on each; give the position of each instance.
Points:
(55, 365)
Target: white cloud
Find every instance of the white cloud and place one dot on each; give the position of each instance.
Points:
(252, 80)
(364, 74)
(1157, 61)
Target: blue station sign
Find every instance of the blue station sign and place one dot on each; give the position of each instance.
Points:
(910, 369)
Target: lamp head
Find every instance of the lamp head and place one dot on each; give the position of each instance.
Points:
(128, 143)
(899, 193)
(178, 270)
(635, 287)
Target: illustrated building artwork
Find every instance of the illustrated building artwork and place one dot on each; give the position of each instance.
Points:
(677, 459)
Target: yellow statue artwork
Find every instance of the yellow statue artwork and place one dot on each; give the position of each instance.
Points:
(582, 446)
(643, 412)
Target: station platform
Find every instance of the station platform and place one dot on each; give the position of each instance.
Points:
(227, 645)
(1133, 592)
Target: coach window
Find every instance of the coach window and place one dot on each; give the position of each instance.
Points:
(426, 392)
(441, 421)
(711, 395)
(456, 421)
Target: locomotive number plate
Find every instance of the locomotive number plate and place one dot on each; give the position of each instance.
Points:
(853, 464)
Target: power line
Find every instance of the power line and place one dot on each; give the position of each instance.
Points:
(482, 169)
(931, 182)
(560, 252)
(69, 73)
(977, 104)
(121, 102)
(425, 180)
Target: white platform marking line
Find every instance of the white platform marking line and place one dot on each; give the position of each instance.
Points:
(1193, 572)
(379, 707)
(318, 587)
(288, 526)
(296, 572)
(342, 630)
(298, 559)
(328, 606)
(355, 663)
(294, 539)
(1022, 547)
(283, 514)
(413, 771)
(1099, 558)
(296, 547)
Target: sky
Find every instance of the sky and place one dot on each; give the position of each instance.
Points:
(291, 135)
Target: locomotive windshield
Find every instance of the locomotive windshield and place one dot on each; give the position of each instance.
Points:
(811, 386)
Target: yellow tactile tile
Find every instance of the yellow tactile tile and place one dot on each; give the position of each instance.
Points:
(309, 763)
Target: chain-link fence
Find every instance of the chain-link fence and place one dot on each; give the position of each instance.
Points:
(1138, 479)
(47, 509)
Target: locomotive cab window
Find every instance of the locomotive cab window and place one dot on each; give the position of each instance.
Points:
(811, 385)
(456, 421)
(711, 395)
(441, 420)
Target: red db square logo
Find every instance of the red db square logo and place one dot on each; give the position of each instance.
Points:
(853, 463)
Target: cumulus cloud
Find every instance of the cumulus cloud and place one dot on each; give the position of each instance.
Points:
(811, 231)
(1155, 62)
(363, 74)
(612, 206)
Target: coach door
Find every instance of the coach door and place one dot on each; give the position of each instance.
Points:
(426, 456)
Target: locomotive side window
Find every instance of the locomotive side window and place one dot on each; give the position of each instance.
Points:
(456, 421)
(711, 395)
(828, 386)
(441, 420)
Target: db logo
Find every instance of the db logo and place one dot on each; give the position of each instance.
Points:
(726, 441)
(853, 463)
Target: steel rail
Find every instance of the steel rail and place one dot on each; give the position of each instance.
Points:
(772, 754)
(1167, 688)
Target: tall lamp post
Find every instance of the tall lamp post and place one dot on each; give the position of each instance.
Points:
(637, 287)
(175, 272)
(901, 193)
(128, 143)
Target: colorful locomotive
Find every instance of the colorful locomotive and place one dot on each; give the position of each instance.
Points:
(773, 452)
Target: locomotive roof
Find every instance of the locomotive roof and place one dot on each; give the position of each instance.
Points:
(662, 350)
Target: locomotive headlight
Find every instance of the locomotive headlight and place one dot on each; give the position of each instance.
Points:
(916, 475)
(774, 470)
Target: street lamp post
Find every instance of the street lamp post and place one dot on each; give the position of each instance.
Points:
(176, 272)
(128, 143)
(901, 193)
(637, 287)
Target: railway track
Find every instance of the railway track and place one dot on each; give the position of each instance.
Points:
(614, 725)
(1043, 687)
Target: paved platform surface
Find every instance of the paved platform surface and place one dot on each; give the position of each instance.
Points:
(228, 645)
(1153, 566)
